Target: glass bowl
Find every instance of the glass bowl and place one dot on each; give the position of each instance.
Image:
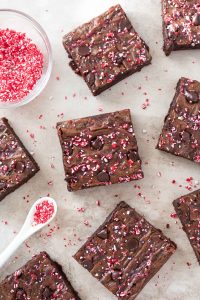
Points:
(21, 22)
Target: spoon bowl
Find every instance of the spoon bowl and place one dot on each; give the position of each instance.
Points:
(29, 226)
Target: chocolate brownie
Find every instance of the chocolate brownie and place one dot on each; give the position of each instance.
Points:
(188, 210)
(99, 150)
(181, 132)
(125, 252)
(17, 166)
(181, 24)
(40, 278)
(106, 50)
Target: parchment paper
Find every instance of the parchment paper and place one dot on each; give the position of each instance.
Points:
(69, 97)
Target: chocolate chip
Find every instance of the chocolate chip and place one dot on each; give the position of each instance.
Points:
(83, 50)
(20, 294)
(168, 125)
(116, 275)
(178, 110)
(88, 264)
(97, 257)
(186, 136)
(196, 19)
(47, 293)
(103, 176)
(132, 243)
(90, 79)
(133, 155)
(97, 144)
(125, 23)
(18, 274)
(74, 67)
(19, 167)
(2, 185)
(192, 97)
(103, 234)
(119, 58)
(68, 150)
(110, 121)
(10, 149)
(71, 178)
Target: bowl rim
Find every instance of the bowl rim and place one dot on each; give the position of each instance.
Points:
(48, 72)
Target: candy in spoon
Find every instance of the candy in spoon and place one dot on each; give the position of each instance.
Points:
(41, 213)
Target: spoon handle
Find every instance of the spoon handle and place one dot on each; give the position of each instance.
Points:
(11, 248)
(28, 229)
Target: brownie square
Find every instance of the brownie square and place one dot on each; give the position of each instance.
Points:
(40, 278)
(181, 132)
(17, 166)
(188, 210)
(125, 252)
(181, 25)
(99, 150)
(106, 50)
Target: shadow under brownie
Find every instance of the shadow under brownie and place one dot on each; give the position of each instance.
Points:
(99, 150)
(188, 210)
(125, 252)
(17, 165)
(106, 50)
(181, 25)
(40, 278)
(181, 131)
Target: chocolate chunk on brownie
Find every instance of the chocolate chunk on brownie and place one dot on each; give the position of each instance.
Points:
(181, 132)
(106, 50)
(188, 210)
(99, 150)
(17, 166)
(125, 252)
(40, 278)
(181, 25)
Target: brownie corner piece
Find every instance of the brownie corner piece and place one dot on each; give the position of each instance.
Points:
(181, 25)
(17, 165)
(106, 50)
(125, 252)
(181, 131)
(48, 281)
(99, 150)
(187, 208)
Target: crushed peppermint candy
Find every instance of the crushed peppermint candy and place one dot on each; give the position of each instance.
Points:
(21, 65)
(146, 104)
(80, 209)
(173, 215)
(43, 212)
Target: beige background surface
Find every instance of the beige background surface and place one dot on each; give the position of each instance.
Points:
(176, 280)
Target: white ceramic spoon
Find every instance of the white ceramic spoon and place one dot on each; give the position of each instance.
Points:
(27, 230)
